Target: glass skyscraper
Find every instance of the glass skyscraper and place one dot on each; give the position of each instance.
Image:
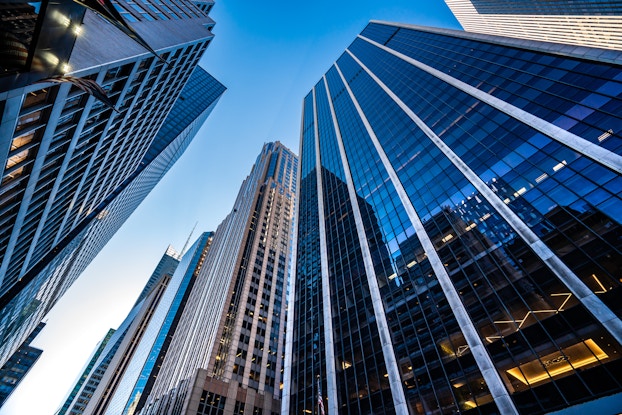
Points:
(18, 365)
(84, 376)
(131, 368)
(72, 167)
(118, 345)
(458, 241)
(591, 23)
(226, 356)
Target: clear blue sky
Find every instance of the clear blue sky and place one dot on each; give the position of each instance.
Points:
(269, 54)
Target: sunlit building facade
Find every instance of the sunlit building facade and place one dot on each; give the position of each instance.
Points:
(227, 354)
(584, 22)
(74, 167)
(457, 248)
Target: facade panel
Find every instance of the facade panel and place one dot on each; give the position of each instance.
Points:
(591, 23)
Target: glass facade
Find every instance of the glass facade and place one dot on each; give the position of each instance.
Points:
(472, 187)
(76, 169)
(18, 365)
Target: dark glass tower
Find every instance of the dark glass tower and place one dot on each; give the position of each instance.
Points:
(458, 243)
(72, 168)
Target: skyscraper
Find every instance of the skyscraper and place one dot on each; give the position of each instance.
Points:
(458, 247)
(585, 22)
(18, 365)
(226, 355)
(119, 345)
(128, 369)
(84, 376)
(74, 168)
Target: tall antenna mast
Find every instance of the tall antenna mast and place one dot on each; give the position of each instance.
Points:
(183, 251)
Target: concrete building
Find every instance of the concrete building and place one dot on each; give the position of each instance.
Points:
(227, 353)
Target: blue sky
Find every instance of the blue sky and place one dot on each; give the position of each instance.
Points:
(269, 54)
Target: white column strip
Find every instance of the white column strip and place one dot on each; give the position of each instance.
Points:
(397, 390)
(580, 145)
(484, 362)
(329, 344)
(600, 311)
(291, 298)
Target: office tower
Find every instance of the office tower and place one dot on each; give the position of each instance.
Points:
(458, 243)
(584, 22)
(18, 365)
(74, 168)
(133, 369)
(226, 355)
(104, 372)
(86, 372)
(100, 360)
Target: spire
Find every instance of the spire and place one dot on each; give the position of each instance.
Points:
(183, 250)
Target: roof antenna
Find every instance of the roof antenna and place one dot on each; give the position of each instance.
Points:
(183, 251)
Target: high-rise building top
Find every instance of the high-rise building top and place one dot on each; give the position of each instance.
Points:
(226, 354)
(73, 168)
(456, 242)
(585, 22)
(18, 365)
(167, 265)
